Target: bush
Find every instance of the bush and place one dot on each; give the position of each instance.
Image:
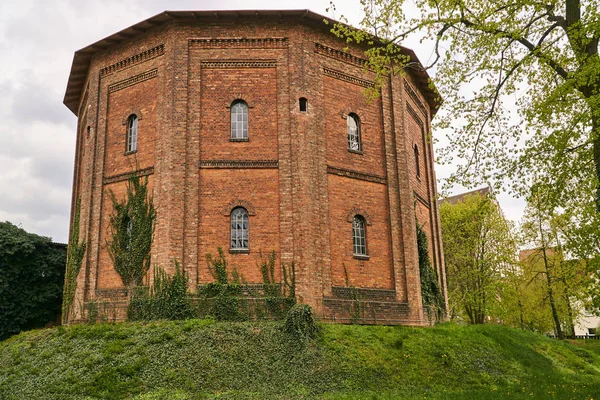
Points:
(300, 323)
(32, 271)
(167, 299)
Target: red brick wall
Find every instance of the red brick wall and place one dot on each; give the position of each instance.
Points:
(139, 99)
(341, 98)
(369, 199)
(219, 191)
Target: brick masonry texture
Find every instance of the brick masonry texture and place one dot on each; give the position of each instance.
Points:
(294, 174)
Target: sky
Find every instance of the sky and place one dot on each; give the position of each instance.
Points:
(37, 131)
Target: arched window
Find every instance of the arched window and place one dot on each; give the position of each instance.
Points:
(239, 120)
(353, 125)
(239, 229)
(359, 236)
(303, 104)
(417, 164)
(132, 133)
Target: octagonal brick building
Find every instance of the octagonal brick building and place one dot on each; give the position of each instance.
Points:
(255, 134)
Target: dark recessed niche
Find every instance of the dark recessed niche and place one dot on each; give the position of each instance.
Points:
(303, 104)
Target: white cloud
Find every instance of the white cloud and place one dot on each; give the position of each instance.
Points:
(37, 132)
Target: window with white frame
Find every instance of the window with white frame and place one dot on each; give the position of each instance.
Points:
(239, 120)
(132, 133)
(359, 236)
(239, 229)
(353, 126)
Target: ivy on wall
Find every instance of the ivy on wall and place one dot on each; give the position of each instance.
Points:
(430, 289)
(75, 253)
(132, 231)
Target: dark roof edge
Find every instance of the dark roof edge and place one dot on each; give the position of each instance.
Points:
(82, 57)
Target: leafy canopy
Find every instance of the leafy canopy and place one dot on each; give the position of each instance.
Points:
(490, 56)
(32, 269)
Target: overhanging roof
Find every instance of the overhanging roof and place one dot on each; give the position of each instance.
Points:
(82, 58)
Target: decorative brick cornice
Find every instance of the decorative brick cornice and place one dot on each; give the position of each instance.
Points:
(263, 164)
(415, 116)
(356, 175)
(239, 64)
(422, 200)
(238, 203)
(356, 210)
(111, 293)
(125, 176)
(133, 60)
(412, 93)
(348, 78)
(343, 292)
(144, 76)
(340, 55)
(246, 43)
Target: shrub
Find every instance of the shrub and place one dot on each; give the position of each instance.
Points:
(300, 323)
(166, 299)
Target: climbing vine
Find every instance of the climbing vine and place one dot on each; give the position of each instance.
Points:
(132, 231)
(430, 290)
(75, 253)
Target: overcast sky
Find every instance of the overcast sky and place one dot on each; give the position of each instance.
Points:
(37, 132)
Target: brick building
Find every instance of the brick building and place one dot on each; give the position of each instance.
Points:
(254, 131)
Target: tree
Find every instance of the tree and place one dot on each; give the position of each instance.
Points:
(132, 231)
(32, 269)
(478, 247)
(543, 54)
(544, 230)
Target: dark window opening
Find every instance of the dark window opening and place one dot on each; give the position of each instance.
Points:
(417, 164)
(303, 104)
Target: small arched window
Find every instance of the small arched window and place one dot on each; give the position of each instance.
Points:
(353, 125)
(303, 104)
(359, 236)
(239, 120)
(132, 133)
(239, 229)
(417, 163)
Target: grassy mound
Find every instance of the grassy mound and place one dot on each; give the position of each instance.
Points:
(199, 359)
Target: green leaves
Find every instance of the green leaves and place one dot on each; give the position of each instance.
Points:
(132, 230)
(32, 270)
(478, 247)
(75, 253)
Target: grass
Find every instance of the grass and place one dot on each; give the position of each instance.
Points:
(201, 359)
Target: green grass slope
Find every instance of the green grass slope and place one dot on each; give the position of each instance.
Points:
(199, 359)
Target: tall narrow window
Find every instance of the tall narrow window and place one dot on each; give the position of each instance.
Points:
(359, 237)
(417, 163)
(127, 224)
(239, 229)
(239, 120)
(303, 104)
(353, 132)
(132, 133)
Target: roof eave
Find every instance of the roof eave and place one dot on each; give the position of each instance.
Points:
(81, 59)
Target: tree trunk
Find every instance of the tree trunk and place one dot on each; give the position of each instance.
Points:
(596, 144)
(557, 326)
